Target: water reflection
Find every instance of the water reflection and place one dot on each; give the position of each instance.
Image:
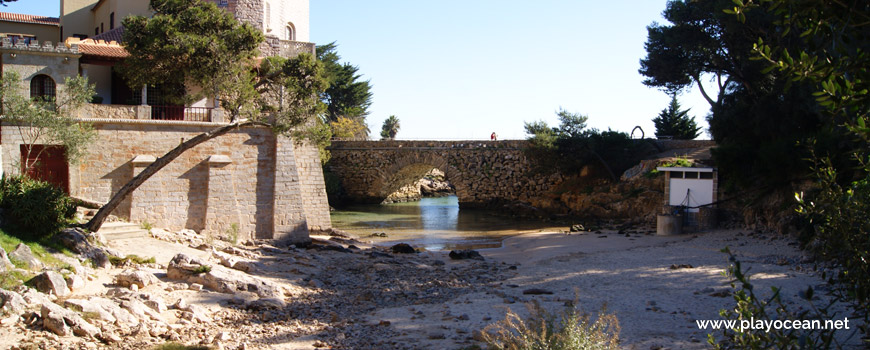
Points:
(433, 223)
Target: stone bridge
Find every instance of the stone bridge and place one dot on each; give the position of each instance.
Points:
(484, 173)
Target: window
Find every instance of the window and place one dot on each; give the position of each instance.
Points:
(268, 20)
(111, 21)
(691, 174)
(96, 31)
(676, 174)
(291, 31)
(223, 3)
(102, 28)
(42, 87)
(707, 175)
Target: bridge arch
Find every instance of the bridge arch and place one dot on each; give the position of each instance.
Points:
(408, 168)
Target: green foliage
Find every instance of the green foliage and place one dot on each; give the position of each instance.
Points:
(48, 121)
(193, 43)
(289, 90)
(145, 225)
(675, 123)
(570, 147)
(839, 233)
(233, 234)
(14, 278)
(177, 346)
(346, 128)
(34, 210)
(202, 269)
(347, 96)
(570, 329)
(390, 128)
(130, 260)
(750, 307)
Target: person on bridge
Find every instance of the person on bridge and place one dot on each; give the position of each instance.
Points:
(493, 137)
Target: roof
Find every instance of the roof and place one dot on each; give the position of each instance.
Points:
(112, 35)
(22, 18)
(700, 170)
(99, 48)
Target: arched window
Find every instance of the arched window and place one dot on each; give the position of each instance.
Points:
(42, 86)
(291, 31)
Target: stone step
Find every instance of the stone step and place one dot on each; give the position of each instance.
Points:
(122, 230)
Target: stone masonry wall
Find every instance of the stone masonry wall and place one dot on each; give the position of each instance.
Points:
(484, 173)
(239, 178)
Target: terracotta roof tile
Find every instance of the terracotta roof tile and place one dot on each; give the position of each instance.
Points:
(22, 18)
(102, 49)
(113, 35)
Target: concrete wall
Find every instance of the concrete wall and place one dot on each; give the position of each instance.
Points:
(76, 17)
(101, 77)
(484, 173)
(42, 32)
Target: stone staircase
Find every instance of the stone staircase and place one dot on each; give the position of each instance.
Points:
(116, 231)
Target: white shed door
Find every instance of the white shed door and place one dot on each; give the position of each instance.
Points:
(698, 191)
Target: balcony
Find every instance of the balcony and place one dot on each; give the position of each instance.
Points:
(286, 48)
(145, 112)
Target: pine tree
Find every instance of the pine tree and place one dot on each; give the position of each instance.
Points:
(675, 123)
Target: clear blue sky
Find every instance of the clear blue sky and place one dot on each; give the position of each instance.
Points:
(452, 69)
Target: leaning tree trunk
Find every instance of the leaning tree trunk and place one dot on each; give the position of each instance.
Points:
(97, 221)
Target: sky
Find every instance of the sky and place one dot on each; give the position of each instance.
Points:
(460, 69)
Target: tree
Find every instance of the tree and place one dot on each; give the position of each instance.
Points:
(760, 127)
(390, 128)
(676, 123)
(47, 120)
(347, 96)
(190, 42)
(346, 128)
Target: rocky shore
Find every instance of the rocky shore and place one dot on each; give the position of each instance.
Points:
(343, 294)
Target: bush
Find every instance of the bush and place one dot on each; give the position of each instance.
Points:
(568, 330)
(750, 308)
(34, 209)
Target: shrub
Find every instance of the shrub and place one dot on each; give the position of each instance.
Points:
(34, 209)
(571, 329)
(752, 308)
(130, 260)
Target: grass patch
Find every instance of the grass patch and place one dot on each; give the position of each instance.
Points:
(42, 250)
(11, 279)
(177, 346)
(130, 260)
(570, 329)
(202, 269)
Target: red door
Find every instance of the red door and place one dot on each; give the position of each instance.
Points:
(47, 163)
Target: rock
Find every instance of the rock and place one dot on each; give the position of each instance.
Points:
(233, 262)
(196, 287)
(87, 307)
(8, 321)
(403, 248)
(536, 291)
(681, 266)
(139, 278)
(122, 317)
(23, 254)
(267, 303)
(58, 319)
(75, 282)
(578, 228)
(140, 310)
(11, 302)
(5, 264)
(465, 254)
(220, 279)
(51, 282)
(76, 240)
(437, 335)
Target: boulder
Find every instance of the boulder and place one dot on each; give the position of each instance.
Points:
(61, 321)
(403, 248)
(136, 277)
(88, 307)
(11, 302)
(465, 254)
(218, 278)
(75, 282)
(233, 262)
(76, 240)
(23, 254)
(51, 282)
(5, 264)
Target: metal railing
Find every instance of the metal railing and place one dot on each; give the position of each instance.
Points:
(190, 114)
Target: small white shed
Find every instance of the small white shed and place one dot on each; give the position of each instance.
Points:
(689, 187)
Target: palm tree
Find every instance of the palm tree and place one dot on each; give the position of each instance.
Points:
(390, 128)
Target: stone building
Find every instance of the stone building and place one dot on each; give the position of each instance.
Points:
(270, 186)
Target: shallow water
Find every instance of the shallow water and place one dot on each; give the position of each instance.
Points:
(433, 224)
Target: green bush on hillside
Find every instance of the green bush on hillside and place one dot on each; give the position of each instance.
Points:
(32, 209)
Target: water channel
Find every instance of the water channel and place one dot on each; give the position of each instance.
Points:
(433, 224)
